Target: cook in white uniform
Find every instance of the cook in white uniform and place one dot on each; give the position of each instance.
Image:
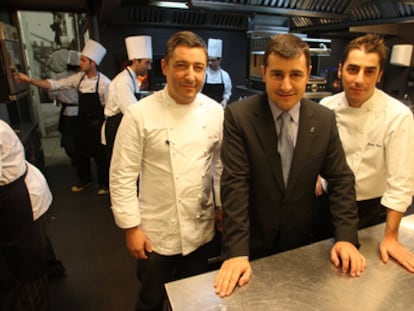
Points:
(67, 99)
(92, 87)
(124, 89)
(24, 198)
(172, 141)
(217, 83)
(377, 133)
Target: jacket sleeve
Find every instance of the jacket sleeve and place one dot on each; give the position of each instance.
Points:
(234, 189)
(341, 188)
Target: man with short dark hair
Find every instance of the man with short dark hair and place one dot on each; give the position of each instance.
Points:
(171, 140)
(274, 146)
(377, 133)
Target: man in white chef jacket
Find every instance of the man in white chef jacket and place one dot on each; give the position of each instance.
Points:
(217, 83)
(124, 89)
(171, 140)
(377, 133)
(92, 87)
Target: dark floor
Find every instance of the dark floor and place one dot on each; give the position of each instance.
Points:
(100, 271)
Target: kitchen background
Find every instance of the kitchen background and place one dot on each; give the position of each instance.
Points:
(44, 27)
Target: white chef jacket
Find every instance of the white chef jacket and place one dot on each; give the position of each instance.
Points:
(378, 139)
(121, 92)
(175, 149)
(88, 85)
(13, 165)
(66, 96)
(219, 76)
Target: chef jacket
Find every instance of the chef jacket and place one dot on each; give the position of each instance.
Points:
(87, 85)
(66, 96)
(220, 76)
(378, 139)
(13, 165)
(175, 151)
(121, 92)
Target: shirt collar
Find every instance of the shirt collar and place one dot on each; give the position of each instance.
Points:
(131, 72)
(293, 112)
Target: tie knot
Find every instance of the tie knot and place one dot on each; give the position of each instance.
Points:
(285, 117)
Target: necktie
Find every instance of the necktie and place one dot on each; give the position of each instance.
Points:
(285, 145)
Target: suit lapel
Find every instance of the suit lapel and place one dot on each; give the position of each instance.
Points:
(307, 127)
(266, 134)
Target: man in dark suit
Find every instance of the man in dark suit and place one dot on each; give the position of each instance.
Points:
(266, 209)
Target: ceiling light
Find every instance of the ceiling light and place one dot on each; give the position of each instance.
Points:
(170, 4)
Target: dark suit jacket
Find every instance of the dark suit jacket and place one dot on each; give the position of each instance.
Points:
(257, 209)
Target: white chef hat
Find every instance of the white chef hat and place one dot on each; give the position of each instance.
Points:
(215, 47)
(73, 58)
(94, 51)
(138, 47)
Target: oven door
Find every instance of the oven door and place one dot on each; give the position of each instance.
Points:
(10, 60)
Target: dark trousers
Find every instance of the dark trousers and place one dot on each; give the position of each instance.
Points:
(157, 270)
(111, 127)
(371, 213)
(67, 127)
(23, 278)
(102, 166)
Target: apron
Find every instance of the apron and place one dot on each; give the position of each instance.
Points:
(112, 123)
(90, 120)
(214, 90)
(19, 245)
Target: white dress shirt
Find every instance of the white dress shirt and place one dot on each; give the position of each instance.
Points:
(121, 92)
(220, 76)
(175, 151)
(13, 165)
(378, 139)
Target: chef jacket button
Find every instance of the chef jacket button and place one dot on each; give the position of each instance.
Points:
(198, 216)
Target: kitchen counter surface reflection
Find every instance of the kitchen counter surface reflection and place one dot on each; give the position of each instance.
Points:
(304, 279)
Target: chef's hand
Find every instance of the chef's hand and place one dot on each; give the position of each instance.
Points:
(21, 78)
(137, 243)
(233, 271)
(346, 255)
(393, 248)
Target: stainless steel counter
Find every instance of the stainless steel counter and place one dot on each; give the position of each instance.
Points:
(304, 279)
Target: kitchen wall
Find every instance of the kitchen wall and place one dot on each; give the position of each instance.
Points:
(235, 58)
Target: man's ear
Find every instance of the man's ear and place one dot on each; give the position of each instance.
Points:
(263, 70)
(164, 66)
(380, 76)
(339, 74)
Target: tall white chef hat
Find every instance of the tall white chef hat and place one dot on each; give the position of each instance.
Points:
(215, 47)
(73, 58)
(138, 47)
(94, 50)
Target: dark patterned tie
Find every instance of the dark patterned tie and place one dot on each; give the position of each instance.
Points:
(285, 145)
